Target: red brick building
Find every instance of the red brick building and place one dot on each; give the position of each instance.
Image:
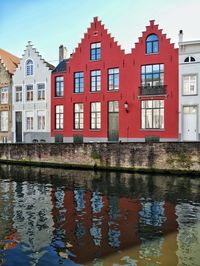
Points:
(103, 94)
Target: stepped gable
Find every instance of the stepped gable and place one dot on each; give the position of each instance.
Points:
(9, 61)
(95, 33)
(150, 29)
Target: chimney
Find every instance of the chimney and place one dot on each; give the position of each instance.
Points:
(180, 36)
(62, 53)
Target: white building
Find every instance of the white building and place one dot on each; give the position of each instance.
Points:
(31, 98)
(189, 89)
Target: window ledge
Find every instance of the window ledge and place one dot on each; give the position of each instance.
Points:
(151, 53)
(152, 129)
(189, 95)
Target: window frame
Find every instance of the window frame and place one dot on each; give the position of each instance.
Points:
(95, 51)
(196, 84)
(5, 119)
(112, 79)
(29, 124)
(152, 43)
(29, 67)
(95, 115)
(59, 86)
(43, 120)
(4, 95)
(42, 92)
(78, 81)
(29, 94)
(78, 116)
(143, 75)
(59, 117)
(18, 94)
(95, 79)
(151, 112)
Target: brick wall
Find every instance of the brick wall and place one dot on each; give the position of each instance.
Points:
(163, 156)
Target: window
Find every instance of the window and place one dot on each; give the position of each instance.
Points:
(113, 79)
(78, 82)
(78, 116)
(4, 95)
(29, 93)
(95, 51)
(41, 120)
(4, 121)
(95, 80)
(59, 86)
(153, 114)
(152, 75)
(29, 68)
(113, 107)
(41, 92)
(59, 116)
(152, 44)
(189, 59)
(18, 94)
(29, 120)
(190, 85)
(95, 115)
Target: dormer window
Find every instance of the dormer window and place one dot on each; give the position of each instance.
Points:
(29, 68)
(152, 44)
(189, 59)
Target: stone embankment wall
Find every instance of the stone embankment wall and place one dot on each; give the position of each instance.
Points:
(129, 156)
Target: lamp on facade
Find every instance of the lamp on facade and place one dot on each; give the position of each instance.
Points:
(126, 106)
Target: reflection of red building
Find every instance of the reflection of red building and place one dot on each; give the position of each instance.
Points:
(103, 94)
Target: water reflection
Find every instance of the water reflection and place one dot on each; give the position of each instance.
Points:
(59, 217)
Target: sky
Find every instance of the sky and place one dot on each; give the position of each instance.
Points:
(50, 23)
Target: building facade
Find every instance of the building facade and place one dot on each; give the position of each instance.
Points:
(8, 64)
(107, 95)
(31, 98)
(189, 89)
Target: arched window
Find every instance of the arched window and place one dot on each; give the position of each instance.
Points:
(189, 59)
(29, 67)
(152, 44)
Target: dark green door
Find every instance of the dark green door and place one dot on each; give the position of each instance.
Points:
(18, 126)
(113, 121)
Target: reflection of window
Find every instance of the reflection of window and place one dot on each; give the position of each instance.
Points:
(78, 82)
(78, 116)
(189, 85)
(29, 120)
(114, 237)
(41, 92)
(189, 59)
(4, 121)
(152, 44)
(113, 79)
(79, 197)
(29, 68)
(18, 93)
(4, 95)
(153, 114)
(95, 115)
(95, 51)
(95, 232)
(96, 202)
(152, 75)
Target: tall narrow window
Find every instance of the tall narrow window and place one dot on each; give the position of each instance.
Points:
(152, 75)
(113, 79)
(4, 95)
(4, 121)
(41, 120)
(153, 114)
(29, 120)
(41, 92)
(78, 116)
(18, 94)
(59, 86)
(190, 85)
(152, 44)
(29, 93)
(95, 80)
(95, 115)
(29, 67)
(95, 51)
(59, 116)
(78, 82)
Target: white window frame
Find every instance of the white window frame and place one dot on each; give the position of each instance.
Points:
(41, 125)
(29, 67)
(42, 91)
(29, 121)
(187, 91)
(18, 94)
(4, 122)
(4, 95)
(29, 93)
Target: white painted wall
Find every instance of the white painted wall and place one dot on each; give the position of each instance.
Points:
(41, 74)
(186, 49)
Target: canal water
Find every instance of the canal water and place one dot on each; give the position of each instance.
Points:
(66, 217)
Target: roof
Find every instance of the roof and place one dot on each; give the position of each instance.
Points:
(50, 66)
(9, 60)
(61, 67)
